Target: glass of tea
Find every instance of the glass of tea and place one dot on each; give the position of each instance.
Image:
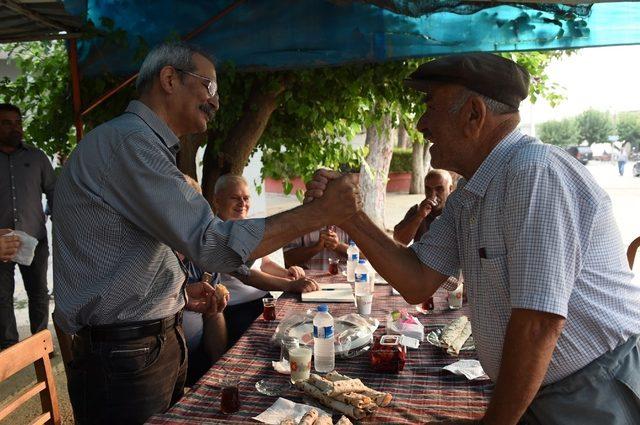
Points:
(427, 306)
(333, 266)
(269, 309)
(229, 395)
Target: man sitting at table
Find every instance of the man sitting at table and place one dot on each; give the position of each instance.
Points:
(203, 331)
(232, 201)
(313, 250)
(437, 187)
(556, 317)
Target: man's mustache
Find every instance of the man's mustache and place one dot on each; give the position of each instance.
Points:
(208, 109)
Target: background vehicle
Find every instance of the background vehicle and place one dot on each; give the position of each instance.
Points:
(581, 153)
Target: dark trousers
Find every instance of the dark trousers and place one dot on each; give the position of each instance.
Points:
(126, 382)
(35, 283)
(239, 317)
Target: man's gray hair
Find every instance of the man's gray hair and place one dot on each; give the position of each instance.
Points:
(176, 54)
(439, 172)
(225, 181)
(495, 107)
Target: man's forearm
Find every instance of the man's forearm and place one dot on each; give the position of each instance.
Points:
(299, 256)
(341, 249)
(396, 263)
(266, 282)
(529, 342)
(274, 269)
(406, 229)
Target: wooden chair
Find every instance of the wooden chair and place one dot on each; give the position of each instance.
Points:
(33, 350)
(631, 251)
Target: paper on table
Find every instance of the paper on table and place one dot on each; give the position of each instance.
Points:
(471, 369)
(330, 292)
(282, 367)
(283, 409)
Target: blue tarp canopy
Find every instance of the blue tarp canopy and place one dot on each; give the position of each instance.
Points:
(267, 34)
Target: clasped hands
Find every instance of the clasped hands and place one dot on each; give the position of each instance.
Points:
(202, 298)
(338, 194)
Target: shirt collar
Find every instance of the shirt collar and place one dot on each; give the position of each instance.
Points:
(155, 122)
(480, 180)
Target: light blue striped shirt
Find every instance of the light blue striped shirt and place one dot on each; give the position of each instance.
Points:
(550, 244)
(122, 208)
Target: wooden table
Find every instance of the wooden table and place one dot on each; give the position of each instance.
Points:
(423, 392)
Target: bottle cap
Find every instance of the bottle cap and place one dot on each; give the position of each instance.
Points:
(323, 308)
(352, 243)
(362, 261)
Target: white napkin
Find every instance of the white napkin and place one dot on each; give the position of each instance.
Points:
(283, 409)
(27, 248)
(282, 367)
(471, 369)
(276, 294)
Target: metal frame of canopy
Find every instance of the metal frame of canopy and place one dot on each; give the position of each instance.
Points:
(35, 20)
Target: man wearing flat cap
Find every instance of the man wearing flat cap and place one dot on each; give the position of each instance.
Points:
(554, 313)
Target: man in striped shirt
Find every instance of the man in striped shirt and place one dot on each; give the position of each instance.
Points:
(124, 210)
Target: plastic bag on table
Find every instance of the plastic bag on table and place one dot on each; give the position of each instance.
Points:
(353, 332)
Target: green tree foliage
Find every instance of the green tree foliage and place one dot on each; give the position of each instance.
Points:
(628, 126)
(594, 126)
(401, 160)
(317, 109)
(560, 133)
(42, 93)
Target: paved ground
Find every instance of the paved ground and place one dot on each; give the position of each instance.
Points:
(624, 192)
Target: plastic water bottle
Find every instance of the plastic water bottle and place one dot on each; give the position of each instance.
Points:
(353, 255)
(361, 285)
(324, 358)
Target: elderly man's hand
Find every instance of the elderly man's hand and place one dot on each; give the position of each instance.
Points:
(199, 297)
(425, 207)
(304, 284)
(330, 238)
(339, 199)
(9, 245)
(296, 272)
(218, 304)
(318, 184)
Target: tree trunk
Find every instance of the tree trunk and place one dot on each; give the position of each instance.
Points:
(187, 154)
(373, 190)
(427, 157)
(403, 137)
(417, 168)
(233, 154)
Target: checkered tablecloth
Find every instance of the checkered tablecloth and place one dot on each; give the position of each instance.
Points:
(423, 392)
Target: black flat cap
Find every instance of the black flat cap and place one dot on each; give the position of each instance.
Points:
(490, 75)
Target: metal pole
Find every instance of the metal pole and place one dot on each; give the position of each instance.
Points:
(75, 87)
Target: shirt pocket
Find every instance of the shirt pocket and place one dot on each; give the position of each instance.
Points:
(495, 285)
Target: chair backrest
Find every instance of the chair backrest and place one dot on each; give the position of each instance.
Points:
(631, 251)
(33, 350)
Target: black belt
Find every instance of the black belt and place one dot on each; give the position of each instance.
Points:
(129, 331)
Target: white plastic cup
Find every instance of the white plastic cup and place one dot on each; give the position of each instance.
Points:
(455, 297)
(300, 361)
(364, 304)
